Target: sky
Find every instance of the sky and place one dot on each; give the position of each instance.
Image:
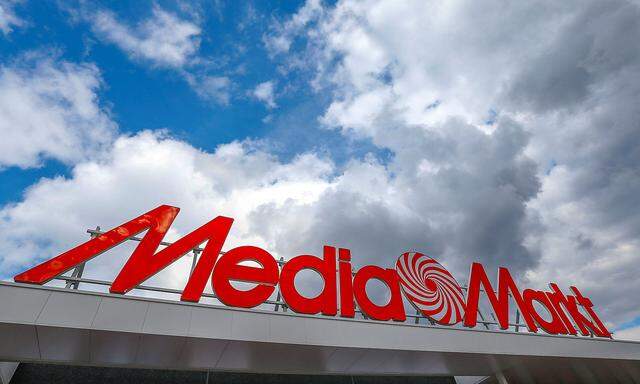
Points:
(500, 133)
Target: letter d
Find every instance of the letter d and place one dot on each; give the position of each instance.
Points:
(326, 301)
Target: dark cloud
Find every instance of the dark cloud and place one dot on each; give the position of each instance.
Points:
(469, 206)
(561, 81)
(600, 40)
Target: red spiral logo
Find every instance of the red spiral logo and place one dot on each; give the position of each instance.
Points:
(431, 288)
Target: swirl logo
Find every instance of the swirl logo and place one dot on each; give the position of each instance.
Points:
(431, 288)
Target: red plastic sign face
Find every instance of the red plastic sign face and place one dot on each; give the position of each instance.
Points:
(326, 301)
(431, 288)
(425, 283)
(229, 269)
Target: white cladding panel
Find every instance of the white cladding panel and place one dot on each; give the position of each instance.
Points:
(58, 325)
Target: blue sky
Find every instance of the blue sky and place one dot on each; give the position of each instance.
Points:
(473, 132)
(141, 96)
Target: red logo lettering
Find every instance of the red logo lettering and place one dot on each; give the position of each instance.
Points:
(431, 288)
(427, 285)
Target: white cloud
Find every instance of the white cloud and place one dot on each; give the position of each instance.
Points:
(163, 39)
(143, 171)
(166, 40)
(8, 17)
(632, 333)
(216, 88)
(405, 74)
(421, 80)
(279, 40)
(289, 207)
(265, 93)
(50, 109)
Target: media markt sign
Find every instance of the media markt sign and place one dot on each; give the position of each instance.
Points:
(422, 280)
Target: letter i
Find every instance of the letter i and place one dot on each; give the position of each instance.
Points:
(347, 307)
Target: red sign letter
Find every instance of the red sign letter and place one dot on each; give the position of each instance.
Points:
(499, 303)
(326, 301)
(157, 221)
(228, 269)
(143, 263)
(394, 308)
(556, 324)
(347, 307)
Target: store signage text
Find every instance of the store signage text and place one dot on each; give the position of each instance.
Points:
(422, 280)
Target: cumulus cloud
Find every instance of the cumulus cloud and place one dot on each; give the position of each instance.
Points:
(50, 109)
(163, 39)
(265, 93)
(289, 207)
(562, 76)
(464, 201)
(146, 170)
(8, 18)
(512, 138)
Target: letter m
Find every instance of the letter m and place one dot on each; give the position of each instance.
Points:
(499, 302)
(144, 261)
